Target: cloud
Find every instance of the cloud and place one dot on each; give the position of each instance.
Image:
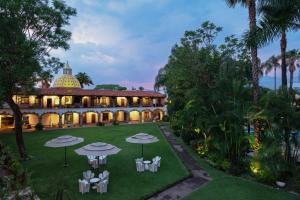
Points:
(97, 57)
(100, 30)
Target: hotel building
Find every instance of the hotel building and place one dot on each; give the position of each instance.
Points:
(66, 104)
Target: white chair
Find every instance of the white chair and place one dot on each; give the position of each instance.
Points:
(140, 167)
(102, 186)
(105, 175)
(91, 157)
(153, 167)
(94, 164)
(88, 175)
(103, 160)
(139, 160)
(84, 186)
(157, 159)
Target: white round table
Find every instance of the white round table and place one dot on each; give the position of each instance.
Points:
(146, 163)
(94, 181)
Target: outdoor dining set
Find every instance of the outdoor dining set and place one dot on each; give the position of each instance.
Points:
(144, 165)
(97, 153)
(99, 183)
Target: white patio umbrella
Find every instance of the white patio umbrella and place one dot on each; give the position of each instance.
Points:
(97, 149)
(142, 138)
(64, 141)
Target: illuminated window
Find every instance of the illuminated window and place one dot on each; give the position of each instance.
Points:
(68, 100)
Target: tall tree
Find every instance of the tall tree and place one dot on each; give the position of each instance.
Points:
(29, 31)
(84, 79)
(45, 78)
(292, 57)
(251, 5)
(269, 65)
(277, 18)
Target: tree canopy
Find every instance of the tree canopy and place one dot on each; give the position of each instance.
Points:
(29, 31)
(110, 87)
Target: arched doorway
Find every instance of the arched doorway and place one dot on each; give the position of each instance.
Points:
(70, 119)
(106, 117)
(158, 115)
(50, 120)
(121, 116)
(134, 116)
(146, 116)
(89, 118)
(7, 121)
(30, 120)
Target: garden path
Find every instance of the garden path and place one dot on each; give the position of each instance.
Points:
(183, 188)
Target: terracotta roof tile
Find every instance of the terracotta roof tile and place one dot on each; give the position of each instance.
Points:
(93, 92)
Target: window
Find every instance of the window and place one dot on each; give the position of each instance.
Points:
(26, 120)
(68, 100)
(24, 100)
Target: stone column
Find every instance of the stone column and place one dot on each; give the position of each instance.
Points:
(141, 117)
(60, 99)
(60, 121)
(141, 102)
(126, 116)
(40, 119)
(80, 119)
(99, 117)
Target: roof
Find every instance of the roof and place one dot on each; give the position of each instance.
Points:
(94, 92)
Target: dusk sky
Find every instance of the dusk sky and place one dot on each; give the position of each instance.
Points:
(127, 41)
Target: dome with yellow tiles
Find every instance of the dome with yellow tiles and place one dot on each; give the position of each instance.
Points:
(67, 80)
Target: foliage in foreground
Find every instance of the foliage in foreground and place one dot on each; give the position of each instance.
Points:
(210, 107)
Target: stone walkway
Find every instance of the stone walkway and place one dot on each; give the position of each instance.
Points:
(182, 189)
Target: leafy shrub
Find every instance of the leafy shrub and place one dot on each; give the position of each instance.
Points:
(177, 133)
(268, 165)
(39, 127)
(100, 124)
(187, 136)
(14, 176)
(166, 118)
(115, 122)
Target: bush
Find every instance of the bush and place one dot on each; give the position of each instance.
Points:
(13, 176)
(115, 122)
(177, 133)
(166, 118)
(100, 124)
(39, 127)
(187, 136)
(269, 164)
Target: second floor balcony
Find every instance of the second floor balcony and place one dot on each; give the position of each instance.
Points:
(86, 102)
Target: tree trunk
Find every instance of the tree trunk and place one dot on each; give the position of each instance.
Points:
(254, 60)
(287, 145)
(283, 59)
(275, 77)
(18, 127)
(291, 79)
(292, 70)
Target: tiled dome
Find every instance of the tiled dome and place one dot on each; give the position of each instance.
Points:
(66, 80)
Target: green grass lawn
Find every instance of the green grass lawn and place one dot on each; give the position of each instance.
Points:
(227, 187)
(48, 174)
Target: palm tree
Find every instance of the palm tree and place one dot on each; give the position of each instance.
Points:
(292, 57)
(251, 5)
(278, 18)
(84, 79)
(271, 63)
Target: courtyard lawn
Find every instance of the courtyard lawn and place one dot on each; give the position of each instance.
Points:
(225, 186)
(48, 174)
